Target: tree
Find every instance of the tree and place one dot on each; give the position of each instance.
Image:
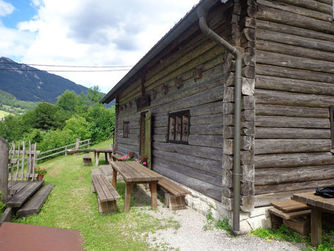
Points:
(68, 101)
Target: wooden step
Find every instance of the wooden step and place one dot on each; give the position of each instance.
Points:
(34, 205)
(24, 194)
(291, 215)
(288, 206)
(7, 215)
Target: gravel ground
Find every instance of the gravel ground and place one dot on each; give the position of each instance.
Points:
(192, 235)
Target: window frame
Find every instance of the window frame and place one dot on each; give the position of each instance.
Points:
(174, 116)
(126, 129)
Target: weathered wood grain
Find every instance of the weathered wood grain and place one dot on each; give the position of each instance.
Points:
(292, 122)
(291, 111)
(292, 186)
(264, 146)
(189, 171)
(207, 165)
(290, 133)
(197, 151)
(292, 99)
(198, 185)
(325, 16)
(278, 71)
(288, 29)
(270, 14)
(293, 159)
(267, 176)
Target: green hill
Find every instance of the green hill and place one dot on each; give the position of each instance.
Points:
(9, 104)
(30, 84)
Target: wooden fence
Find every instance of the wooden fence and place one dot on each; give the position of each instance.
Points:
(22, 161)
(63, 149)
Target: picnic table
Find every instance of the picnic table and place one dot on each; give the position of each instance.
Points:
(135, 173)
(318, 205)
(107, 154)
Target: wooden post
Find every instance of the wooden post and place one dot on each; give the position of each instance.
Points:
(4, 168)
(127, 200)
(65, 150)
(154, 195)
(316, 226)
(77, 144)
(88, 143)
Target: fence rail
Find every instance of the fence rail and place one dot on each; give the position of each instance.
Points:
(63, 149)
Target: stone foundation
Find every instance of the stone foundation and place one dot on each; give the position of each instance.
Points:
(257, 218)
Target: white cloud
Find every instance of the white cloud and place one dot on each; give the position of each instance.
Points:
(104, 32)
(5, 8)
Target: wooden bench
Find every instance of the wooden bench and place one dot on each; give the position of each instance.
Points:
(116, 157)
(106, 193)
(174, 194)
(293, 214)
(87, 160)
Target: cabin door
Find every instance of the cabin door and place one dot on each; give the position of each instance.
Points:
(146, 136)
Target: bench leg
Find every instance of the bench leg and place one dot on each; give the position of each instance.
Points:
(174, 202)
(114, 178)
(127, 200)
(93, 188)
(154, 195)
(107, 207)
(316, 226)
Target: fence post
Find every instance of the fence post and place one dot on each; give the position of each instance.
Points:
(4, 168)
(65, 150)
(77, 144)
(88, 143)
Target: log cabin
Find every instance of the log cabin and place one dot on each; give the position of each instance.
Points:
(236, 103)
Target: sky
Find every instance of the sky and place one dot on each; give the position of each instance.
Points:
(86, 33)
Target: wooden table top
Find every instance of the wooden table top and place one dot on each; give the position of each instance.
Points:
(103, 150)
(314, 200)
(132, 171)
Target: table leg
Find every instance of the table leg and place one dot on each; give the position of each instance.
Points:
(154, 195)
(106, 157)
(97, 159)
(114, 178)
(316, 226)
(127, 197)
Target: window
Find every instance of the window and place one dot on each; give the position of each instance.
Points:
(331, 114)
(178, 127)
(125, 129)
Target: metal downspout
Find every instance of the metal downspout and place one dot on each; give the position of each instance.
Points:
(202, 14)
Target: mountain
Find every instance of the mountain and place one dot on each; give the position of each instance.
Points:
(30, 84)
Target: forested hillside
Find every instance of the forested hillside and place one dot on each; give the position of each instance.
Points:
(30, 84)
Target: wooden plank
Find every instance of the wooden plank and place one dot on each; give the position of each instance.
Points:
(294, 8)
(264, 146)
(279, 59)
(7, 215)
(285, 72)
(34, 205)
(294, 85)
(292, 122)
(288, 206)
(292, 186)
(209, 190)
(22, 196)
(279, 16)
(290, 133)
(287, 29)
(291, 215)
(4, 168)
(293, 159)
(278, 175)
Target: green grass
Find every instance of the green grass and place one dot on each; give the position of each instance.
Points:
(284, 234)
(72, 205)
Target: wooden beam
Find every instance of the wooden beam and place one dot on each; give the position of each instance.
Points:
(4, 169)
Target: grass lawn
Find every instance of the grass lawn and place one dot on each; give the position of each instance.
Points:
(72, 205)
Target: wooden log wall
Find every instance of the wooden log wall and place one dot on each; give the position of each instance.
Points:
(294, 89)
(191, 74)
